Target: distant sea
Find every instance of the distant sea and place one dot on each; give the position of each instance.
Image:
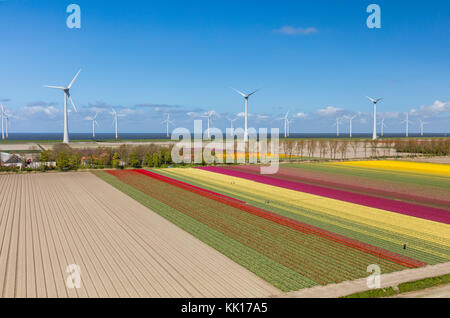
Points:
(140, 136)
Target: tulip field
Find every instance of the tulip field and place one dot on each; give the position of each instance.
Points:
(296, 229)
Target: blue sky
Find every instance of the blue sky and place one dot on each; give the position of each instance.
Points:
(316, 59)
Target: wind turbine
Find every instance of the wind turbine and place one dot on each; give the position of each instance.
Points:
(94, 122)
(209, 116)
(167, 122)
(2, 113)
(374, 101)
(66, 91)
(382, 126)
(422, 123)
(231, 124)
(115, 122)
(407, 122)
(337, 125)
(291, 121)
(286, 124)
(246, 96)
(351, 123)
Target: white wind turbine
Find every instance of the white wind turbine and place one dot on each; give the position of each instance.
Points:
(246, 96)
(290, 121)
(231, 125)
(116, 122)
(66, 91)
(167, 121)
(209, 115)
(2, 113)
(374, 101)
(338, 121)
(422, 123)
(286, 124)
(94, 122)
(407, 122)
(382, 125)
(351, 123)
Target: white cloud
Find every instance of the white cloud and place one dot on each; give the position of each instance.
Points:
(433, 109)
(290, 30)
(390, 115)
(300, 115)
(32, 110)
(328, 111)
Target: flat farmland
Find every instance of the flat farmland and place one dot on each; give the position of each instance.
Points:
(123, 249)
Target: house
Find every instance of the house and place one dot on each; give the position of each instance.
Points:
(10, 160)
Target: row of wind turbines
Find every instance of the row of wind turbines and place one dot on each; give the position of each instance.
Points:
(167, 121)
(209, 116)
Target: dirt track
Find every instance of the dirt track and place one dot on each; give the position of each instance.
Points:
(48, 221)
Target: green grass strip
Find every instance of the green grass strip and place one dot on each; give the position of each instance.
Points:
(403, 287)
(276, 274)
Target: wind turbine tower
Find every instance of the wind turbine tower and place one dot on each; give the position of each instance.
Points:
(286, 125)
(115, 120)
(407, 122)
(167, 121)
(246, 96)
(351, 124)
(209, 115)
(382, 126)
(422, 123)
(231, 125)
(291, 121)
(3, 121)
(337, 125)
(374, 101)
(94, 122)
(66, 91)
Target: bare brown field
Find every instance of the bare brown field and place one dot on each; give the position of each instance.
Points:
(48, 221)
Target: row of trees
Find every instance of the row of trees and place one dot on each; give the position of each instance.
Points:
(434, 147)
(67, 158)
(363, 148)
(333, 148)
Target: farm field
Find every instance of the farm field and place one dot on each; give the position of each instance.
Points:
(123, 249)
(431, 190)
(279, 247)
(427, 241)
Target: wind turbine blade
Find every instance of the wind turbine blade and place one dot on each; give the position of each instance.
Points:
(57, 87)
(239, 92)
(71, 83)
(252, 93)
(371, 99)
(73, 105)
(377, 100)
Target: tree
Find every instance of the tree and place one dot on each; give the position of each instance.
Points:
(134, 160)
(62, 161)
(156, 162)
(115, 160)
